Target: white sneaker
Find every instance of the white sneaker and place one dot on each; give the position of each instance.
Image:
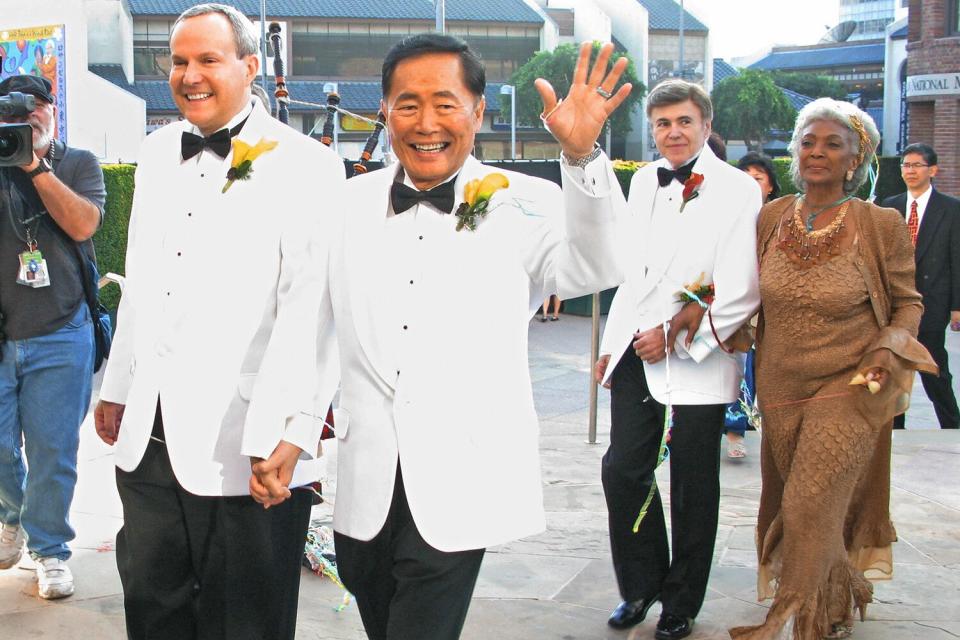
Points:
(11, 545)
(54, 578)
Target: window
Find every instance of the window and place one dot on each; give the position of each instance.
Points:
(340, 54)
(151, 47)
(953, 15)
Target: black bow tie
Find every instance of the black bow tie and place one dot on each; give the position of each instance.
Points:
(191, 144)
(442, 197)
(666, 176)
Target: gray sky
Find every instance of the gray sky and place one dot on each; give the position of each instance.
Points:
(743, 27)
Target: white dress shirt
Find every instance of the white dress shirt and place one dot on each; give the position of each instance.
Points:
(921, 204)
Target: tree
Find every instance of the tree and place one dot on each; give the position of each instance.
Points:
(557, 67)
(747, 106)
(810, 84)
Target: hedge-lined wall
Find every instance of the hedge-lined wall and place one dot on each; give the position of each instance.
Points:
(889, 183)
(111, 239)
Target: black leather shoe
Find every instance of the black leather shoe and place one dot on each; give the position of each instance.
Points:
(671, 627)
(630, 613)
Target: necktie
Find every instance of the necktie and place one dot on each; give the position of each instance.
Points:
(403, 197)
(191, 144)
(666, 176)
(913, 222)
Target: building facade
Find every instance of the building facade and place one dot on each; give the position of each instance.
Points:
(871, 17)
(340, 45)
(933, 84)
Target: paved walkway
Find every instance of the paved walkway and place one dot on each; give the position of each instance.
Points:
(559, 585)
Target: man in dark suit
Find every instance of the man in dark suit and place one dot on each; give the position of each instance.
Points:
(934, 222)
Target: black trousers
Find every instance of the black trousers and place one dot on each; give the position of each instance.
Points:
(206, 568)
(939, 388)
(404, 588)
(642, 560)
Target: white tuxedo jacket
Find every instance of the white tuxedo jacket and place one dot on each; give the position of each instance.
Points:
(218, 316)
(459, 417)
(714, 235)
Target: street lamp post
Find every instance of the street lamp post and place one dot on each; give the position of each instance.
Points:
(440, 8)
(682, 12)
(512, 91)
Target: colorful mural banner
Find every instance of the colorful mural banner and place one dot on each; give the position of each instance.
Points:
(38, 51)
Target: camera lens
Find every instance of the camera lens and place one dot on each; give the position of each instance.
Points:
(9, 144)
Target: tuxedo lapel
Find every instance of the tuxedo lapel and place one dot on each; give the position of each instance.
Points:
(673, 226)
(363, 250)
(932, 218)
(900, 203)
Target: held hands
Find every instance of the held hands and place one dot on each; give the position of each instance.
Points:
(689, 318)
(270, 481)
(106, 419)
(577, 120)
(600, 370)
(873, 379)
(651, 346)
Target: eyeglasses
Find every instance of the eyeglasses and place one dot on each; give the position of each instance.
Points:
(913, 165)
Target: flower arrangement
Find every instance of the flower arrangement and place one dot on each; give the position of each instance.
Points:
(691, 188)
(702, 294)
(476, 199)
(243, 156)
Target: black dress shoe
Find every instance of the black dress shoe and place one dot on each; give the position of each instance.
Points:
(671, 627)
(630, 613)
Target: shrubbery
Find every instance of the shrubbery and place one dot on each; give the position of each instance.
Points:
(111, 239)
(889, 183)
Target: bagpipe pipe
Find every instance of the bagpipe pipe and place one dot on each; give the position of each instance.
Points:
(280, 92)
(372, 141)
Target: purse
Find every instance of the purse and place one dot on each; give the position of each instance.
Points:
(99, 316)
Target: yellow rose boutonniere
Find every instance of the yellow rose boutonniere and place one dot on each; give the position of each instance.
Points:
(243, 156)
(476, 197)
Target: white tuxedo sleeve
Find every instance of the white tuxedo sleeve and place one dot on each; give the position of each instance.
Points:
(119, 371)
(282, 402)
(580, 256)
(593, 179)
(736, 279)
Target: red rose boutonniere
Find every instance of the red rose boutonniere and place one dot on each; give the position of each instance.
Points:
(691, 188)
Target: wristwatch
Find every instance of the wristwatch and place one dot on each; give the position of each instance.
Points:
(43, 166)
(585, 160)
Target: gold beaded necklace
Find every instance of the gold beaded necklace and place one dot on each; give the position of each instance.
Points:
(807, 246)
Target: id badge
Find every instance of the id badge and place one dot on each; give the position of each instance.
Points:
(33, 270)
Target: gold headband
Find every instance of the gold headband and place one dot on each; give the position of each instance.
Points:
(864, 138)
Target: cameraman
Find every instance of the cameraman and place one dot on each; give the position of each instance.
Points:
(46, 207)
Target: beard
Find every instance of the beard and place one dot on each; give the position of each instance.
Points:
(41, 140)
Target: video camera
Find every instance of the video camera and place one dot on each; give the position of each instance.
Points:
(16, 140)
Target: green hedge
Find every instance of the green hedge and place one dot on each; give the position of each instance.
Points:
(889, 183)
(111, 240)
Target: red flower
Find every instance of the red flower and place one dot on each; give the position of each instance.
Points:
(691, 188)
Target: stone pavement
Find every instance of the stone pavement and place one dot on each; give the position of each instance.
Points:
(560, 585)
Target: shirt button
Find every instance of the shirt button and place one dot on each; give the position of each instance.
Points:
(411, 282)
(189, 214)
(874, 294)
(421, 237)
(201, 175)
(404, 327)
(179, 254)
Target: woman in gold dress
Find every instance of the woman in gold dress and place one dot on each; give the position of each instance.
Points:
(838, 304)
